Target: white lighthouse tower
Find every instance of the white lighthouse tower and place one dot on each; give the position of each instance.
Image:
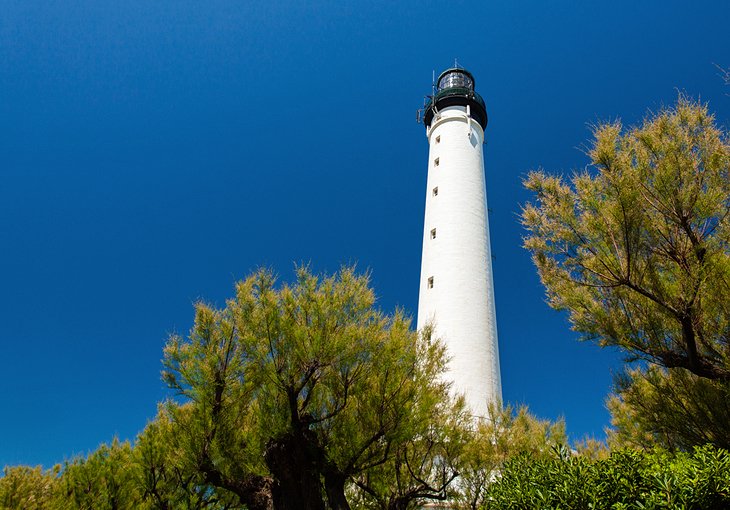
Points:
(456, 292)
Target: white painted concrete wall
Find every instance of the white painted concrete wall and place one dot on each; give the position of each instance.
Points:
(461, 302)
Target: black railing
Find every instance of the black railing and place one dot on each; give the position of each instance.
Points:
(451, 96)
(457, 91)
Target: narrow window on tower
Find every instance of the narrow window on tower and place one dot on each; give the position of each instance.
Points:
(436, 162)
(438, 139)
(433, 233)
(435, 191)
(430, 282)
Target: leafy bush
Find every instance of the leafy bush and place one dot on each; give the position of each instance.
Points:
(627, 479)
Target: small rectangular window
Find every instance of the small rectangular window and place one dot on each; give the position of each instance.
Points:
(436, 162)
(433, 233)
(430, 282)
(438, 139)
(435, 191)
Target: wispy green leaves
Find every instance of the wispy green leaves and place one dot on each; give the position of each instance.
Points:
(635, 247)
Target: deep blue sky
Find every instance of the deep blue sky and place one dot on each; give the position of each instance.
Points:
(151, 153)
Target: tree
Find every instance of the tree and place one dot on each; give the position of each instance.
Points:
(294, 391)
(29, 488)
(423, 465)
(672, 408)
(104, 480)
(637, 246)
(165, 475)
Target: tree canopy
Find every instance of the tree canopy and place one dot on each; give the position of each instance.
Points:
(636, 246)
(293, 392)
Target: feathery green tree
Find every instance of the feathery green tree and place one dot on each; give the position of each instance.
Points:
(293, 391)
(672, 408)
(104, 480)
(165, 475)
(30, 488)
(637, 249)
(423, 465)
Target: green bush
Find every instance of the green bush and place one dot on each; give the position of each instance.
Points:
(627, 479)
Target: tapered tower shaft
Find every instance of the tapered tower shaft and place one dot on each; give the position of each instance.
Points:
(456, 290)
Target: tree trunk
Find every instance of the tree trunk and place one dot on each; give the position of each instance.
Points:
(334, 483)
(297, 484)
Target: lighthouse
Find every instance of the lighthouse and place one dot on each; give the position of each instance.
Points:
(456, 294)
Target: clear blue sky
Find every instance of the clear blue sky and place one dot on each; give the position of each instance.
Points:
(151, 153)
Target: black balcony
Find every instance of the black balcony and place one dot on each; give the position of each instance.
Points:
(456, 88)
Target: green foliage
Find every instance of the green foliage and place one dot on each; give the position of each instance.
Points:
(209, 439)
(165, 476)
(592, 448)
(672, 408)
(300, 389)
(29, 488)
(506, 433)
(423, 465)
(637, 249)
(627, 479)
(455, 462)
(104, 480)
